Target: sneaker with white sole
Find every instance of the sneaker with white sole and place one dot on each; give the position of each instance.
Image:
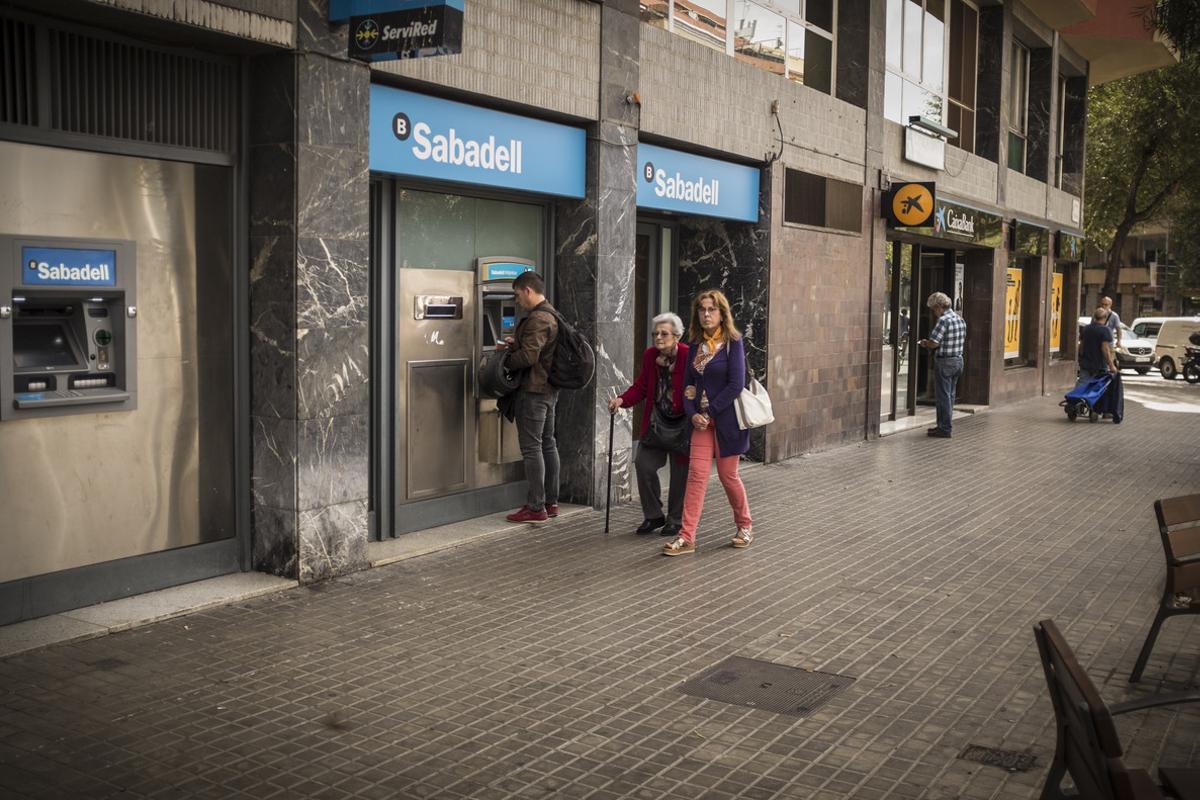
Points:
(678, 546)
(742, 538)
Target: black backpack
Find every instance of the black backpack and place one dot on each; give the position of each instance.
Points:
(574, 362)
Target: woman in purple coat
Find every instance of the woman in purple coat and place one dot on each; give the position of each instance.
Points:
(716, 376)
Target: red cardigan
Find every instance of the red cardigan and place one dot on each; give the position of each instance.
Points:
(647, 380)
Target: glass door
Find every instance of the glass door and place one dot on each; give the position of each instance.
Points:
(652, 288)
(898, 345)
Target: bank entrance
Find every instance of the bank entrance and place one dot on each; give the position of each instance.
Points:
(462, 202)
(954, 254)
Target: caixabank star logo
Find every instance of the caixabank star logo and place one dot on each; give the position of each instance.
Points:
(367, 34)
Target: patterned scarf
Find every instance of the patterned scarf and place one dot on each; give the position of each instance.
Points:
(706, 352)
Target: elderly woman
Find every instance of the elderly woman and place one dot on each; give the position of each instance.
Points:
(660, 385)
(716, 376)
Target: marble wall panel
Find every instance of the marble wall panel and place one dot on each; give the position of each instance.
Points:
(331, 463)
(332, 192)
(332, 376)
(272, 189)
(272, 326)
(272, 100)
(853, 51)
(273, 462)
(990, 125)
(331, 283)
(275, 542)
(332, 540)
(308, 307)
(1041, 116)
(336, 100)
(315, 33)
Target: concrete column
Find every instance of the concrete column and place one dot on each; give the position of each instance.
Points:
(308, 304)
(595, 269)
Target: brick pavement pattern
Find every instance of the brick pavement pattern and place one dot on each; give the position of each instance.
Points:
(546, 663)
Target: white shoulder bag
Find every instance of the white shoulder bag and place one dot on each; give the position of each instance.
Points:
(753, 405)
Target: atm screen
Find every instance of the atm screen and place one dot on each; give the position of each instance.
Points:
(42, 346)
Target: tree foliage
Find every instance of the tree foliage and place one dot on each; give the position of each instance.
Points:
(1178, 20)
(1143, 153)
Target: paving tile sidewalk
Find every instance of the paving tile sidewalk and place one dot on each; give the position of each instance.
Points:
(546, 663)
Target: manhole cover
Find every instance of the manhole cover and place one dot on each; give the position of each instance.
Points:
(1011, 760)
(762, 684)
(106, 664)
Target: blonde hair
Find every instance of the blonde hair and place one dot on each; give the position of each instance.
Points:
(729, 331)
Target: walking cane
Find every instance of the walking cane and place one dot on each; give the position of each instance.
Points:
(612, 421)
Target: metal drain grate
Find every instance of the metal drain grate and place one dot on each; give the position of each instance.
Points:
(1011, 760)
(767, 686)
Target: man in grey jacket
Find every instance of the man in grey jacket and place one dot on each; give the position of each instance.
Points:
(532, 350)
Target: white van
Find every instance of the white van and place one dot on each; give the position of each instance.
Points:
(1147, 327)
(1168, 348)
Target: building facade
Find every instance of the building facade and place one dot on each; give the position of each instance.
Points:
(322, 248)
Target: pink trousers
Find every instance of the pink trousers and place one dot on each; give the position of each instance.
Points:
(704, 450)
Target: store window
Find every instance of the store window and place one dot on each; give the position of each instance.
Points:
(1020, 312)
(792, 38)
(824, 202)
(1018, 108)
(964, 66)
(449, 231)
(1055, 337)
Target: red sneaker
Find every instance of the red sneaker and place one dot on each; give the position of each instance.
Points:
(525, 515)
(552, 510)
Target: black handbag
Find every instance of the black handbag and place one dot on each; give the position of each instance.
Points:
(674, 436)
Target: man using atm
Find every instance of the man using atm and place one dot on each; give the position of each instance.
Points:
(532, 350)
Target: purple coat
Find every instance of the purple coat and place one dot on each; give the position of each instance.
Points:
(723, 380)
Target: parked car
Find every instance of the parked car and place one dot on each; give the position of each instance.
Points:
(1147, 327)
(1169, 349)
(1132, 352)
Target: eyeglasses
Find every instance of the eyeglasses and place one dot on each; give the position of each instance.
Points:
(663, 334)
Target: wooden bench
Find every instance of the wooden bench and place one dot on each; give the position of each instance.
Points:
(1179, 526)
(1087, 746)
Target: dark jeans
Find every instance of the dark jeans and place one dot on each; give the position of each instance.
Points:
(945, 381)
(535, 434)
(648, 462)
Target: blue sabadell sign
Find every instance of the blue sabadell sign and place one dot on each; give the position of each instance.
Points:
(414, 134)
(68, 266)
(670, 180)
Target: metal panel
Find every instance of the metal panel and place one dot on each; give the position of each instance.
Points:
(104, 486)
(437, 426)
(432, 341)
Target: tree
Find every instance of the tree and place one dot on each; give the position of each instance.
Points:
(1143, 148)
(1178, 20)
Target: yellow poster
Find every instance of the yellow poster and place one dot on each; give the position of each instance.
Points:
(1012, 314)
(1056, 291)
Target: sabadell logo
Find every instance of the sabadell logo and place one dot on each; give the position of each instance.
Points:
(452, 148)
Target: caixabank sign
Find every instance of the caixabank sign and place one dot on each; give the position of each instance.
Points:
(427, 137)
(670, 180)
(382, 30)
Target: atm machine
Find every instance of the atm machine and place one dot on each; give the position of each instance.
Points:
(68, 312)
(448, 437)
